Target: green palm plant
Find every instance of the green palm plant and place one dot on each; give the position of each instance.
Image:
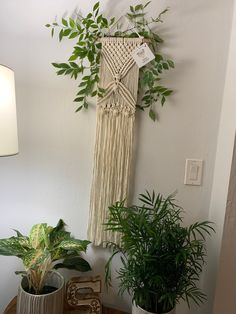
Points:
(45, 248)
(161, 259)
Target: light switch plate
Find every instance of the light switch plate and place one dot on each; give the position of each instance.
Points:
(193, 172)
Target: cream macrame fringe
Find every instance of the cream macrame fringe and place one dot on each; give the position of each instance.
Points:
(114, 133)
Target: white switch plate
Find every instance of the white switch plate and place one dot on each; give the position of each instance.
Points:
(193, 171)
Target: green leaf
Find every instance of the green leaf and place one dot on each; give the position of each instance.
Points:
(74, 245)
(90, 56)
(78, 99)
(167, 93)
(157, 38)
(131, 9)
(73, 35)
(105, 22)
(18, 233)
(73, 57)
(163, 100)
(52, 32)
(61, 72)
(47, 25)
(112, 20)
(138, 7)
(152, 115)
(147, 4)
(158, 57)
(74, 262)
(86, 78)
(64, 22)
(99, 18)
(82, 91)
(74, 65)
(14, 246)
(72, 23)
(66, 32)
(36, 259)
(79, 108)
(96, 6)
(38, 235)
(58, 233)
(56, 65)
(171, 63)
(61, 34)
(165, 66)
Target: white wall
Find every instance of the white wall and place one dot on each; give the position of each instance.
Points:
(226, 136)
(51, 176)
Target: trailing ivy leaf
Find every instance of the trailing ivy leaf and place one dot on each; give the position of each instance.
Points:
(56, 65)
(171, 63)
(66, 32)
(112, 20)
(167, 93)
(82, 91)
(165, 66)
(64, 22)
(96, 25)
(152, 115)
(163, 100)
(61, 72)
(61, 34)
(90, 56)
(78, 99)
(73, 35)
(73, 57)
(146, 4)
(158, 57)
(105, 22)
(79, 108)
(138, 7)
(72, 23)
(96, 6)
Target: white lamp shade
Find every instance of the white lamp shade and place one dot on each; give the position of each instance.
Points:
(8, 122)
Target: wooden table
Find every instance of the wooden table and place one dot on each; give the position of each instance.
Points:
(11, 309)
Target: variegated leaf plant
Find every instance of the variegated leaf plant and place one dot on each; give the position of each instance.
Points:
(44, 249)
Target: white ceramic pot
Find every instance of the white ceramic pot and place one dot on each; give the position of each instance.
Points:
(139, 310)
(51, 303)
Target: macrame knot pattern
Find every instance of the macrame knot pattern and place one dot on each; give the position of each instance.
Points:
(117, 79)
(114, 133)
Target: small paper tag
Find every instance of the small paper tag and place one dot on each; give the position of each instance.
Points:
(142, 55)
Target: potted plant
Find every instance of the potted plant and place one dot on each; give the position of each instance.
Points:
(84, 61)
(161, 259)
(44, 250)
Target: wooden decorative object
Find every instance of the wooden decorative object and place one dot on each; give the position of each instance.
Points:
(83, 293)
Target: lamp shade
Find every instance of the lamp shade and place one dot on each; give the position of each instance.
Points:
(8, 122)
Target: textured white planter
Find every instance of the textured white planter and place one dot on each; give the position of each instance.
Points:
(139, 310)
(51, 303)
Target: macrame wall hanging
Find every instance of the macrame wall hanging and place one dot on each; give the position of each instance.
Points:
(102, 56)
(114, 133)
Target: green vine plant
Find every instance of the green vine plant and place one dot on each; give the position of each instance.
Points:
(85, 58)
